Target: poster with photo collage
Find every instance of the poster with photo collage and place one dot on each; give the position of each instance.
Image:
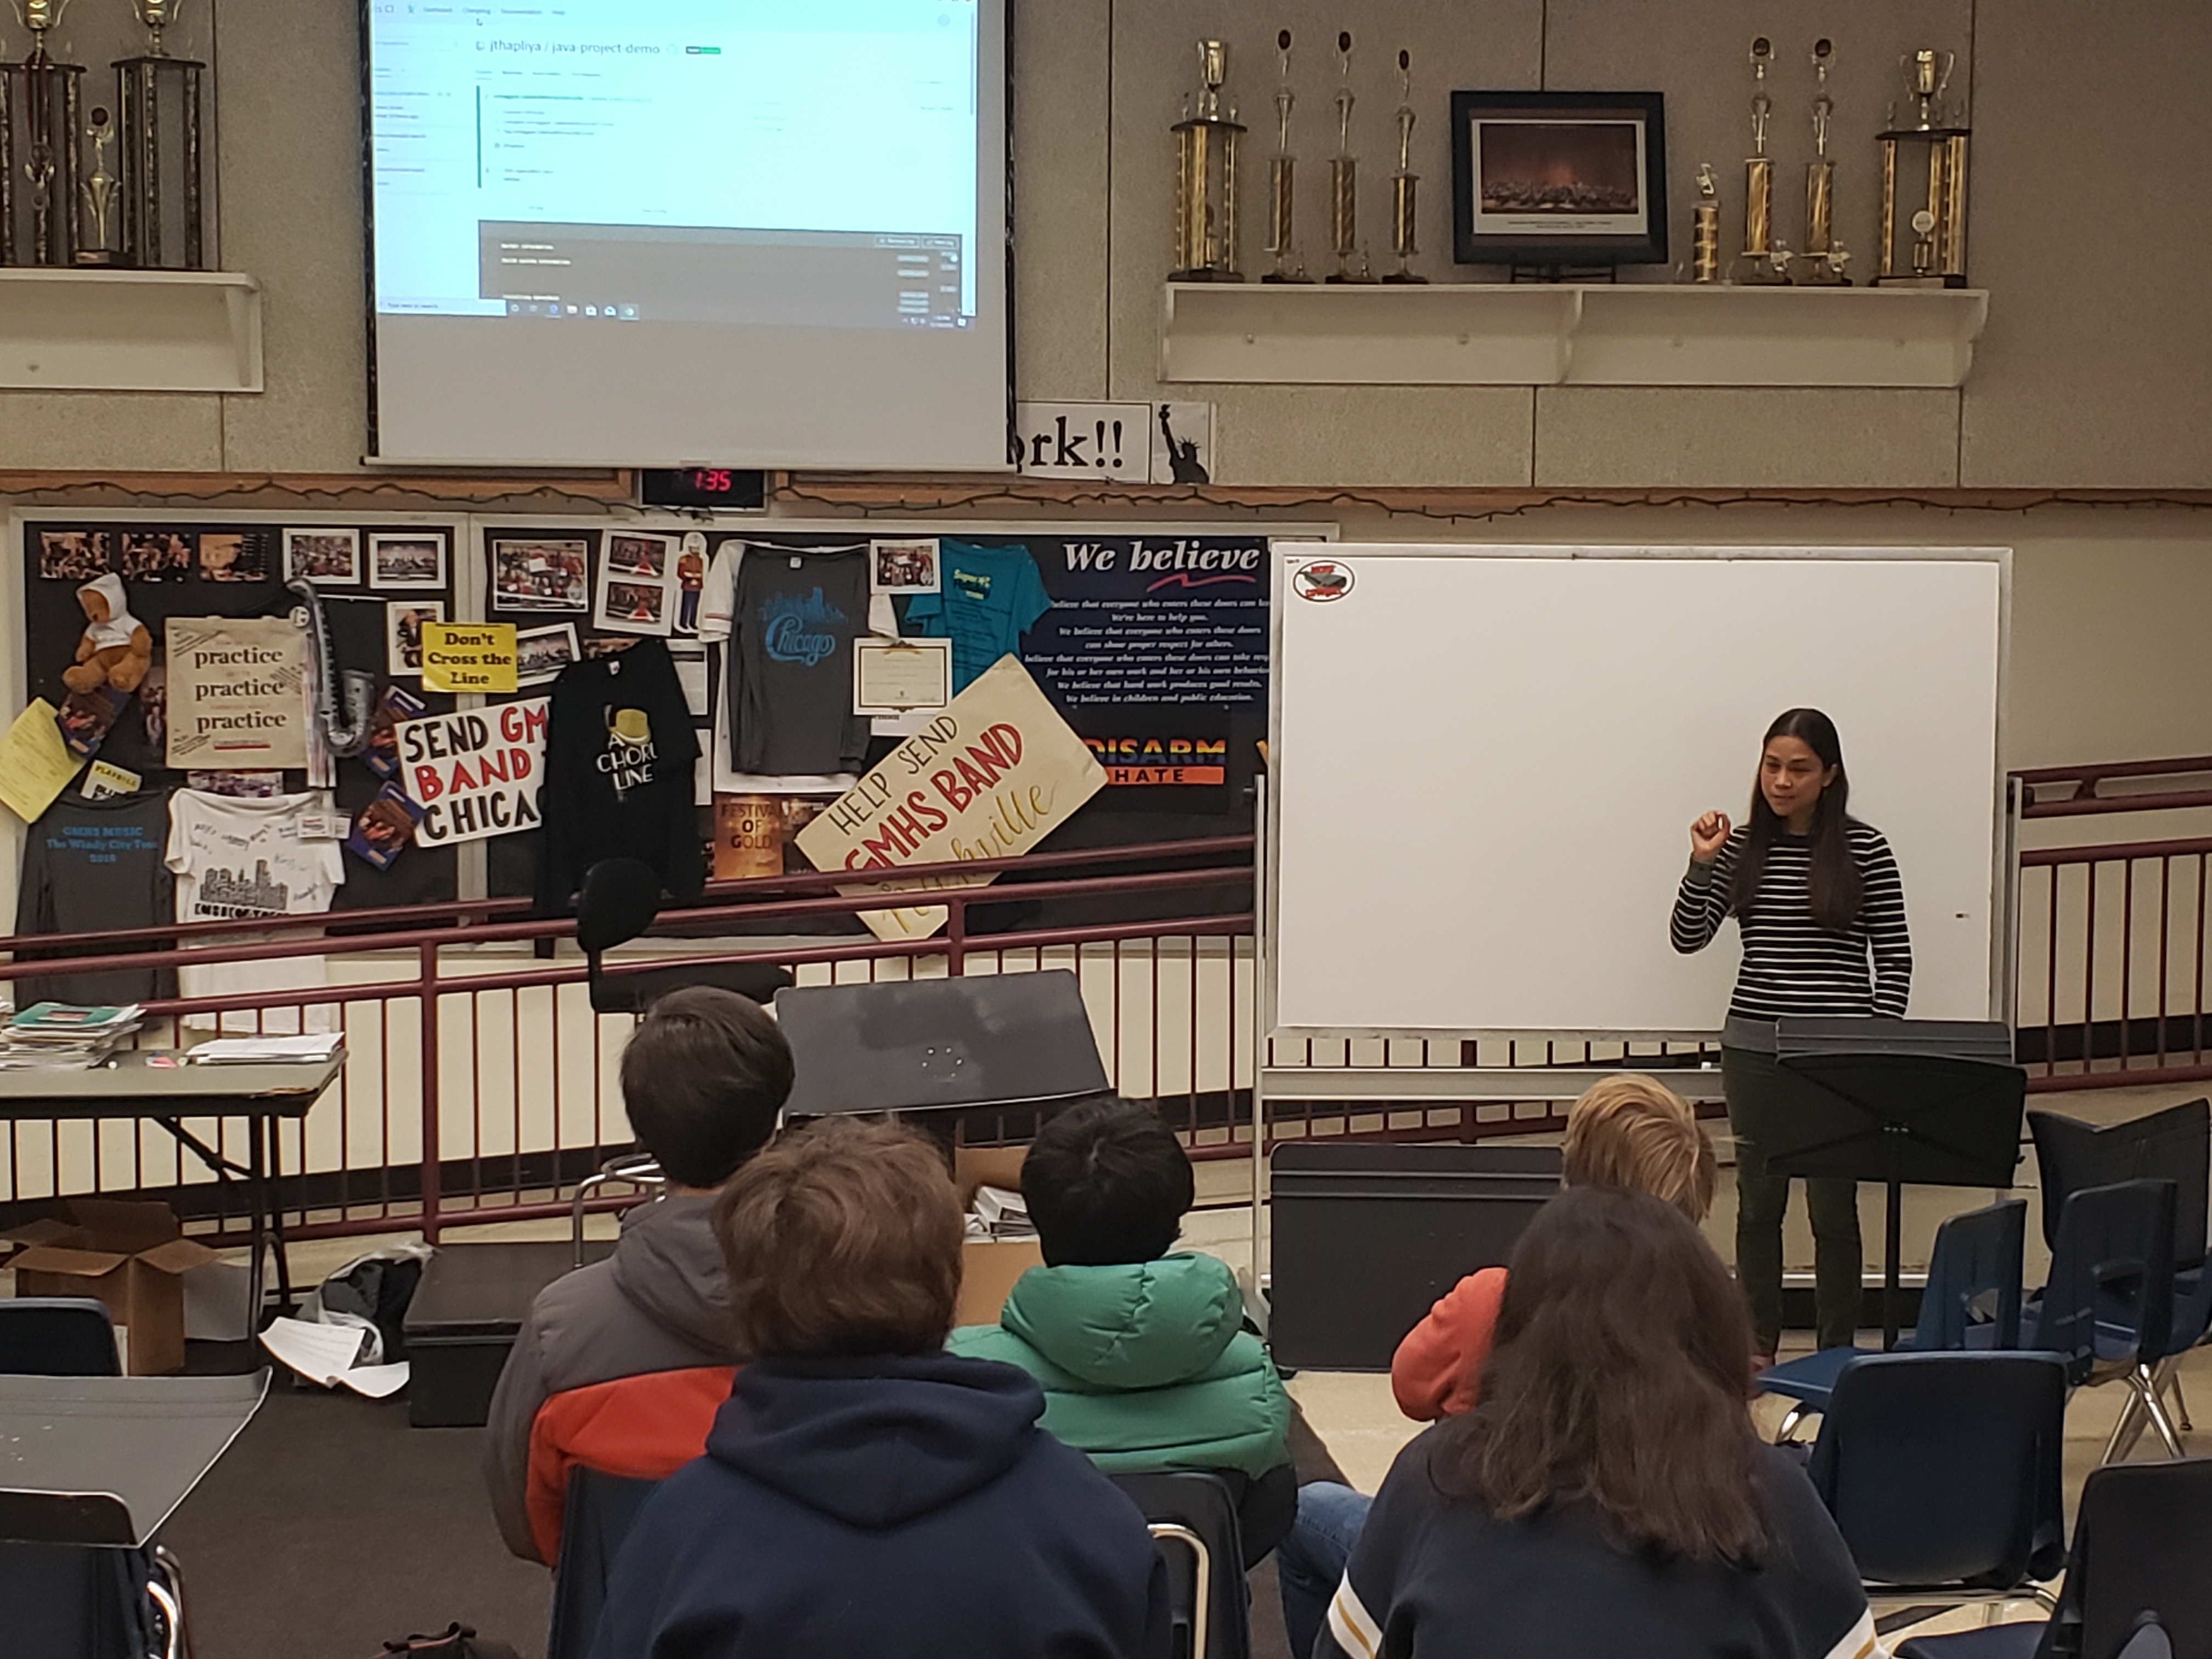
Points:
(377, 580)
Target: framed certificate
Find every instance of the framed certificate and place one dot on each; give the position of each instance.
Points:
(895, 677)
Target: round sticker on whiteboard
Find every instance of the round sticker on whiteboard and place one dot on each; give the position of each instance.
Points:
(1321, 579)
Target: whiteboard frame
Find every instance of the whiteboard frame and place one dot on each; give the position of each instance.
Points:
(2003, 874)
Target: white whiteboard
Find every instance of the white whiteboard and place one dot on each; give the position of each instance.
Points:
(1483, 762)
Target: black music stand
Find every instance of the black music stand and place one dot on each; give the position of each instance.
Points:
(1895, 1100)
(996, 1040)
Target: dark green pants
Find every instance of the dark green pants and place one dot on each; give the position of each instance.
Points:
(1756, 1092)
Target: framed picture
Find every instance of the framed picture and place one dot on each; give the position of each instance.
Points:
(904, 566)
(73, 555)
(630, 553)
(233, 556)
(328, 558)
(1559, 178)
(539, 574)
(405, 559)
(633, 598)
(404, 621)
(540, 654)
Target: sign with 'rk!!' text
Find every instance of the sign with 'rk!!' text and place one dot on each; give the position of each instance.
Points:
(989, 778)
(476, 773)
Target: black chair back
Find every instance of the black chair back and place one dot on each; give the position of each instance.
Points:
(595, 1518)
(2112, 1276)
(2142, 1543)
(1943, 1470)
(1974, 1280)
(1211, 1615)
(619, 900)
(57, 1336)
(2174, 1145)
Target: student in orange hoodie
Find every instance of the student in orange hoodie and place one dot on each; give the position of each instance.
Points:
(1628, 1131)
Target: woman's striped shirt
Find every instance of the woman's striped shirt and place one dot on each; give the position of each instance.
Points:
(1791, 964)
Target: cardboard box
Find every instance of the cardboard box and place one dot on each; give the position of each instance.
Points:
(130, 1256)
(988, 1267)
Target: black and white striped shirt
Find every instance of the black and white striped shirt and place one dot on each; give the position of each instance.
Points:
(1791, 964)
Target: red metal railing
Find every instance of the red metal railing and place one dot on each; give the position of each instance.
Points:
(2083, 787)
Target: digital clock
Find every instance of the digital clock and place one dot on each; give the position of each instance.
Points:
(733, 489)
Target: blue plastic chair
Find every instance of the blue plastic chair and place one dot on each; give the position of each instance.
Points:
(2140, 1545)
(1942, 1471)
(1971, 1301)
(2107, 1310)
(597, 1514)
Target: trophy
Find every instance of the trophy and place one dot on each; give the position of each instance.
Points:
(1929, 250)
(1404, 181)
(1705, 228)
(1764, 259)
(1820, 175)
(38, 129)
(1282, 178)
(158, 109)
(1344, 181)
(98, 193)
(1205, 179)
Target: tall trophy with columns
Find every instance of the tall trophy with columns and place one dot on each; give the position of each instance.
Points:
(160, 116)
(39, 122)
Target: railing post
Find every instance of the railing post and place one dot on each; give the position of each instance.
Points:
(956, 934)
(427, 958)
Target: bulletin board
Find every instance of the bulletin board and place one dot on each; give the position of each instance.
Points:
(375, 576)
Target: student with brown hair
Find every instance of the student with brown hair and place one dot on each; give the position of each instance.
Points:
(622, 1364)
(864, 1492)
(1627, 1131)
(1609, 1480)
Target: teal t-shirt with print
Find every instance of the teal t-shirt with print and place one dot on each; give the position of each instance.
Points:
(991, 596)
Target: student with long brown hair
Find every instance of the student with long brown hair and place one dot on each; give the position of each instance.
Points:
(1608, 1493)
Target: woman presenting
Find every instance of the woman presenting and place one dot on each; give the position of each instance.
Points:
(1816, 895)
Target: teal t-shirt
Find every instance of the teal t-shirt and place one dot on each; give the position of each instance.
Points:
(991, 597)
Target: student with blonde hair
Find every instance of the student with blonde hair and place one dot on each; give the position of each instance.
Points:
(1629, 1132)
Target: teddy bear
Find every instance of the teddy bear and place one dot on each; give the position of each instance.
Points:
(116, 649)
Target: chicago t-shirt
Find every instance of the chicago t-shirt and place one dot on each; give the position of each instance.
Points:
(793, 617)
(235, 857)
(991, 597)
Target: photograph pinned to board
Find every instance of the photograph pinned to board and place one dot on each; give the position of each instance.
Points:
(74, 555)
(397, 704)
(541, 574)
(631, 601)
(233, 556)
(540, 654)
(635, 554)
(908, 566)
(896, 677)
(158, 555)
(86, 718)
(237, 786)
(384, 828)
(690, 580)
(328, 558)
(401, 559)
(404, 629)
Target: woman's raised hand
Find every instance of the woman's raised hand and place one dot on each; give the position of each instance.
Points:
(1707, 836)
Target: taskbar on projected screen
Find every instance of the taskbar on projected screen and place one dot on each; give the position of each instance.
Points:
(601, 311)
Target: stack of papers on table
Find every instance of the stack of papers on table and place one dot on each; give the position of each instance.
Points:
(65, 1036)
(998, 1212)
(260, 1051)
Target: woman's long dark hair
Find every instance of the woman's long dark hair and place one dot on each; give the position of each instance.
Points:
(1616, 1383)
(1838, 889)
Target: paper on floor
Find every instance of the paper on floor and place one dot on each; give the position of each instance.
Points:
(325, 1354)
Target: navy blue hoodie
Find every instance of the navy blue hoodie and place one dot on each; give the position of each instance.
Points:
(883, 1508)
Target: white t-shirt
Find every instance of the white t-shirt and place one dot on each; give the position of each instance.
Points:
(237, 858)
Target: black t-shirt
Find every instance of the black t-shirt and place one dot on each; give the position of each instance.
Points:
(790, 635)
(620, 756)
(94, 865)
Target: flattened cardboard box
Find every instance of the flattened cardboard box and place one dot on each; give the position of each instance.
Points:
(988, 1267)
(130, 1255)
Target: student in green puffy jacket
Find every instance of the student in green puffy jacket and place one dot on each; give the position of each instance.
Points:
(1144, 1357)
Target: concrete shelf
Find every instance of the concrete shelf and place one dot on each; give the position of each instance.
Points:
(1568, 334)
(129, 331)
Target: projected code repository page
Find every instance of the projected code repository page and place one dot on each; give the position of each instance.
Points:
(795, 161)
